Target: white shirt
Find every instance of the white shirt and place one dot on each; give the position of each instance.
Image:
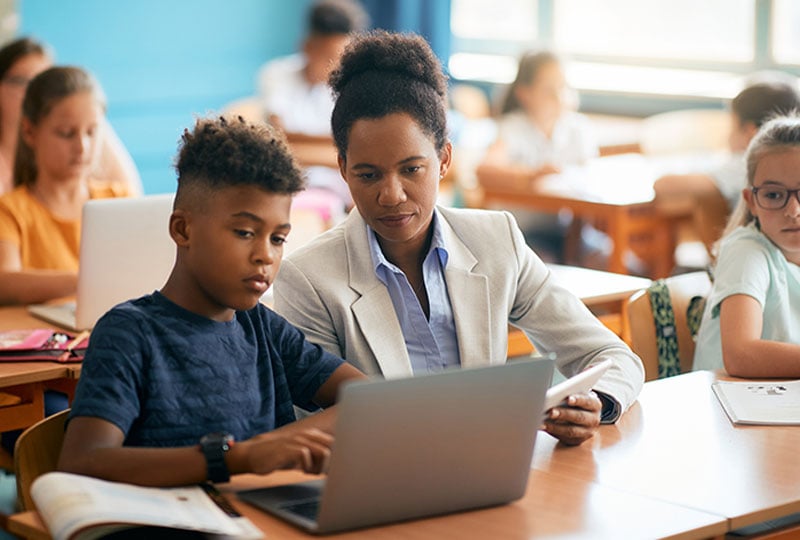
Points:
(749, 263)
(572, 143)
(731, 178)
(285, 92)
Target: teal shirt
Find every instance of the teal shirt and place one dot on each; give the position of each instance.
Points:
(749, 263)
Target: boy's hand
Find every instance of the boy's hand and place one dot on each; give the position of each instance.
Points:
(308, 450)
(575, 421)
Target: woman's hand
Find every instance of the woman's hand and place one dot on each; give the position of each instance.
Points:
(575, 421)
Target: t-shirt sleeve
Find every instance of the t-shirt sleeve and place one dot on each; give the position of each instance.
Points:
(742, 268)
(111, 374)
(9, 227)
(306, 365)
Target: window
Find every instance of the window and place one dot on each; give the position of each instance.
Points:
(685, 52)
(486, 41)
(785, 37)
(683, 30)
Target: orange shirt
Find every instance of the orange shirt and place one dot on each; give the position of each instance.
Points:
(45, 242)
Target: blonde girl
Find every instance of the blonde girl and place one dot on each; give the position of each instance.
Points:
(751, 325)
(40, 223)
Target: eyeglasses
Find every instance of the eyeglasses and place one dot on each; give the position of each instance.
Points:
(774, 197)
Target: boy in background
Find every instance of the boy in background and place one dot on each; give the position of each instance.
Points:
(295, 94)
(710, 197)
(172, 379)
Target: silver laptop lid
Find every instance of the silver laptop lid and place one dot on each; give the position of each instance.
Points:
(433, 444)
(125, 252)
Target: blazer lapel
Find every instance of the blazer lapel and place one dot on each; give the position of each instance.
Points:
(373, 310)
(469, 298)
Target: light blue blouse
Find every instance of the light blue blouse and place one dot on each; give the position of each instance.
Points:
(432, 343)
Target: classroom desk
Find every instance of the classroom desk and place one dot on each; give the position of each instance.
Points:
(674, 465)
(605, 293)
(677, 445)
(28, 380)
(552, 506)
(615, 191)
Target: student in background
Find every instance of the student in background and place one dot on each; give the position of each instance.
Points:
(710, 197)
(40, 222)
(538, 134)
(202, 362)
(20, 61)
(296, 97)
(750, 324)
(404, 286)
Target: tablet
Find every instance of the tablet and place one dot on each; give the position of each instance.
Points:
(577, 384)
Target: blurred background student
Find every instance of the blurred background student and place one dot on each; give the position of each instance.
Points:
(539, 132)
(709, 197)
(297, 99)
(20, 61)
(40, 219)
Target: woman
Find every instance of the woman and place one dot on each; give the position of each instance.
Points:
(403, 286)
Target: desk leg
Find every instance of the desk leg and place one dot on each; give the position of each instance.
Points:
(619, 231)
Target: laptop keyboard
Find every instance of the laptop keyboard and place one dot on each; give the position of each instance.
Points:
(307, 509)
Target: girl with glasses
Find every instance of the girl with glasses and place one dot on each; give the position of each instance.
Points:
(751, 324)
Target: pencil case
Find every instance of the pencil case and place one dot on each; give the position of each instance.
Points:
(42, 344)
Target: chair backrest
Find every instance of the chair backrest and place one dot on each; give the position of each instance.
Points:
(670, 321)
(36, 452)
(688, 130)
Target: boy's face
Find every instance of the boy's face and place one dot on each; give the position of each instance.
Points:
(233, 249)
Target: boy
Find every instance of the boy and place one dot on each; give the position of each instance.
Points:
(711, 197)
(173, 378)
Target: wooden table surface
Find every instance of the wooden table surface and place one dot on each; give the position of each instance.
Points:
(677, 445)
(552, 506)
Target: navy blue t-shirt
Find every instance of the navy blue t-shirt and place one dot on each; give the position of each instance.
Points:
(166, 376)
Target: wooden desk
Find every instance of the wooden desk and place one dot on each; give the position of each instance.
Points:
(552, 506)
(605, 293)
(615, 191)
(677, 445)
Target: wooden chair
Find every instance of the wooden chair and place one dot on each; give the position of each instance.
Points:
(36, 453)
(642, 325)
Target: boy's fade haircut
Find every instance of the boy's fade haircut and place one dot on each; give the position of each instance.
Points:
(336, 17)
(225, 152)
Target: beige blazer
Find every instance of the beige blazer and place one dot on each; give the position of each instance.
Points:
(329, 290)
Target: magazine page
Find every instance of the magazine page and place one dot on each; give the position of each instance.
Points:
(72, 504)
(760, 402)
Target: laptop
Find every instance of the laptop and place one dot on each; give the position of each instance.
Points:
(125, 252)
(421, 446)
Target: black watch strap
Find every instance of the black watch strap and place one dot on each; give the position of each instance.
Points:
(214, 446)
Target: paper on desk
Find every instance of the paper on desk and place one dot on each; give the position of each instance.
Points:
(760, 402)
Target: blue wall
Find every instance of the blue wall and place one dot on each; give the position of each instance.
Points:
(162, 63)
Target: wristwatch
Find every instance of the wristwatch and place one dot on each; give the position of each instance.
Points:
(214, 446)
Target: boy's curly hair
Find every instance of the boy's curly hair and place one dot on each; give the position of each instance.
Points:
(382, 73)
(223, 152)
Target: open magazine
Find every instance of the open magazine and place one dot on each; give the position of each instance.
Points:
(760, 402)
(76, 507)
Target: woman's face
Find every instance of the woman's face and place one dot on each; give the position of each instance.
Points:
(393, 170)
(14, 83)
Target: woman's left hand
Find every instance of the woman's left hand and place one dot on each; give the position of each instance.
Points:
(576, 420)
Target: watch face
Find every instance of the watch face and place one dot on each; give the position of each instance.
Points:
(219, 438)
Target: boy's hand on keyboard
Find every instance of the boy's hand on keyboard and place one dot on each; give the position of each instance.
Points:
(308, 450)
